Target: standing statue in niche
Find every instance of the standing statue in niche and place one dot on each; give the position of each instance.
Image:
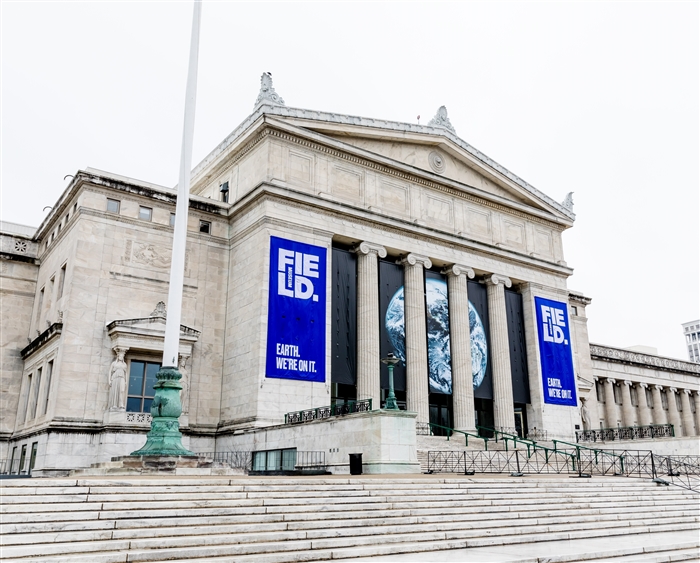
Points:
(117, 382)
(586, 415)
(185, 382)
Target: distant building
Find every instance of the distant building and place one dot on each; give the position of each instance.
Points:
(692, 340)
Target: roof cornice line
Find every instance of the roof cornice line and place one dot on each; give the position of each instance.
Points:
(284, 111)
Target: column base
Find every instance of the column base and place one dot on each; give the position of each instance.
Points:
(164, 439)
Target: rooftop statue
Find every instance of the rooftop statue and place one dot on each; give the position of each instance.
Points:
(267, 91)
(568, 202)
(441, 120)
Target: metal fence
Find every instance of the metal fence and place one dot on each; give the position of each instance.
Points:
(337, 409)
(582, 462)
(625, 433)
(270, 460)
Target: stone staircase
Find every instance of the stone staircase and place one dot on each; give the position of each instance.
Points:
(425, 444)
(278, 520)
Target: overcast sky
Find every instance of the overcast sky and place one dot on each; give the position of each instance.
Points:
(598, 98)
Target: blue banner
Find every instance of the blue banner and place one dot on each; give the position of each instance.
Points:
(558, 379)
(296, 315)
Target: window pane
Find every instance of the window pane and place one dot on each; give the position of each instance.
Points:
(151, 371)
(274, 460)
(289, 460)
(145, 213)
(133, 404)
(204, 227)
(113, 206)
(259, 461)
(147, 405)
(172, 219)
(136, 378)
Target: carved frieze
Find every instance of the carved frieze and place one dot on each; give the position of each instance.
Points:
(647, 360)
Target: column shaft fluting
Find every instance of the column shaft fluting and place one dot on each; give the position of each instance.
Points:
(644, 410)
(503, 413)
(610, 407)
(460, 347)
(368, 352)
(416, 336)
(674, 417)
(688, 424)
(659, 415)
(628, 414)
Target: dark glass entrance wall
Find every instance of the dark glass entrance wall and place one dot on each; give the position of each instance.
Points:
(440, 412)
(484, 415)
(344, 325)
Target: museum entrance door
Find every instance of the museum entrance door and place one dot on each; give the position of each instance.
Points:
(440, 412)
(520, 420)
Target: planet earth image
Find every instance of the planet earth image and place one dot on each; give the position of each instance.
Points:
(438, 326)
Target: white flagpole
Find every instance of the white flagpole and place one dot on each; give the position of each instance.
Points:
(177, 265)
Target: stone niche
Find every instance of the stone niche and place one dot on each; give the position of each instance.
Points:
(139, 336)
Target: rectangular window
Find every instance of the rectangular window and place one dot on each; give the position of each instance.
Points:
(67, 217)
(35, 395)
(172, 219)
(145, 213)
(61, 282)
(113, 205)
(142, 378)
(22, 457)
(11, 469)
(205, 227)
(47, 394)
(75, 207)
(60, 226)
(27, 397)
(52, 284)
(574, 310)
(32, 456)
(39, 309)
(617, 394)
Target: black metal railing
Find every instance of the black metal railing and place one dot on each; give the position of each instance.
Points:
(337, 409)
(285, 460)
(626, 433)
(581, 461)
(429, 429)
(535, 434)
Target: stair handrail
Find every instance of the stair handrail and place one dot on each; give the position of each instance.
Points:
(466, 435)
(505, 436)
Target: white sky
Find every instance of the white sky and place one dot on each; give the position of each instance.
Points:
(598, 98)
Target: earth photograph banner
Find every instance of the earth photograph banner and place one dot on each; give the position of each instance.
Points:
(296, 316)
(558, 380)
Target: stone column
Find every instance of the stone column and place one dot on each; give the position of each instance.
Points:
(697, 413)
(688, 425)
(416, 335)
(674, 417)
(659, 414)
(460, 347)
(628, 414)
(644, 410)
(610, 408)
(368, 353)
(503, 413)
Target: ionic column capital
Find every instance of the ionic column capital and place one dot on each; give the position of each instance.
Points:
(673, 389)
(643, 385)
(495, 279)
(688, 391)
(416, 259)
(611, 380)
(659, 387)
(628, 383)
(366, 247)
(459, 270)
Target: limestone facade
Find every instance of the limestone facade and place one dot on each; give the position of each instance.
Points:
(86, 288)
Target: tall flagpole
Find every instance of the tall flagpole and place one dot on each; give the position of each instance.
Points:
(165, 437)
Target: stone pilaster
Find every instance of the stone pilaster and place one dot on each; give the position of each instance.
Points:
(628, 414)
(688, 424)
(674, 417)
(659, 414)
(368, 364)
(416, 335)
(460, 347)
(503, 414)
(610, 407)
(644, 410)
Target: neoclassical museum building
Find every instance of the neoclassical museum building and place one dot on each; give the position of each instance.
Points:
(318, 243)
